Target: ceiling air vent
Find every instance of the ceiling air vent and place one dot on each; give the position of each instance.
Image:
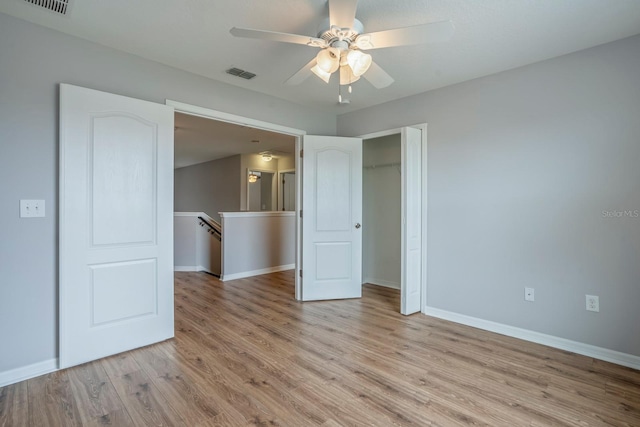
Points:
(240, 73)
(56, 6)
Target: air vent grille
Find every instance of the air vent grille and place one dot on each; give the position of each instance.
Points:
(240, 73)
(56, 6)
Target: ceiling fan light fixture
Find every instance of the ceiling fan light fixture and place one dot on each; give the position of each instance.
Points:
(359, 62)
(321, 73)
(342, 39)
(347, 76)
(328, 60)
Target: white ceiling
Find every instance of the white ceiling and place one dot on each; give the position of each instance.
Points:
(491, 36)
(199, 140)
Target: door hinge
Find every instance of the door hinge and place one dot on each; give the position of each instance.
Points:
(300, 272)
(300, 213)
(301, 153)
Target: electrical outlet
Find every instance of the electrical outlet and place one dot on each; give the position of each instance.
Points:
(529, 294)
(593, 303)
(31, 208)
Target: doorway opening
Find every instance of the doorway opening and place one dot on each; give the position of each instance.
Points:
(382, 210)
(227, 220)
(287, 193)
(260, 192)
(382, 153)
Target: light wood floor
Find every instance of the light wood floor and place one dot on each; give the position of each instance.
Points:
(246, 353)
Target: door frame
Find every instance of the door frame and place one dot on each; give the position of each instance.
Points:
(298, 134)
(397, 131)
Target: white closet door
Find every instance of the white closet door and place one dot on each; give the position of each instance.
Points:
(411, 276)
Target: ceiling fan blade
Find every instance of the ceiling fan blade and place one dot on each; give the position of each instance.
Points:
(342, 13)
(426, 33)
(278, 37)
(377, 76)
(301, 75)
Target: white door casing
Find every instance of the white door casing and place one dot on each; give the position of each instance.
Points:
(332, 217)
(411, 270)
(116, 224)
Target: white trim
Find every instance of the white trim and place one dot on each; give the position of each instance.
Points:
(206, 270)
(62, 241)
(244, 274)
(222, 248)
(232, 118)
(425, 213)
(196, 214)
(381, 133)
(391, 131)
(186, 268)
(26, 372)
(193, 268)
(248, 214)
(382, 282)
(600, 353)
(298, 213)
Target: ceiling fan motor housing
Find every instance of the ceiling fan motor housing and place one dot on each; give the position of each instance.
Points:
(340, 38)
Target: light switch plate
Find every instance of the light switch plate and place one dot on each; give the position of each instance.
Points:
(31, 208)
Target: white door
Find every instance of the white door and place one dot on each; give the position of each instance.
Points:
(332, 216)
(116, 224)
(411, 276)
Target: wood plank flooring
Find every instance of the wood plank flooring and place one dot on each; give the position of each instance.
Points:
(246, 353)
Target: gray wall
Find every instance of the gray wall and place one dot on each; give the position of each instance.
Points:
(194, 247)
(381, 211)
(209, 187)
(521, 166)
(184, 241)
(256, 241)
(33, 61)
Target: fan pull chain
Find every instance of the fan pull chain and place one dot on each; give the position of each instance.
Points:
(342, 99)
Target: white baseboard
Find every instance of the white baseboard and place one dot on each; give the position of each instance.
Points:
(192, 268)
(600, 353)
(244, 274)
(26, 372)
(381, 282)
(206, 270)
(186, 268)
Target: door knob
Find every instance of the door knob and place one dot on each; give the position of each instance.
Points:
(358, 225)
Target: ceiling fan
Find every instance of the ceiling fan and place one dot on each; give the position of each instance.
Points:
(342, 41)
